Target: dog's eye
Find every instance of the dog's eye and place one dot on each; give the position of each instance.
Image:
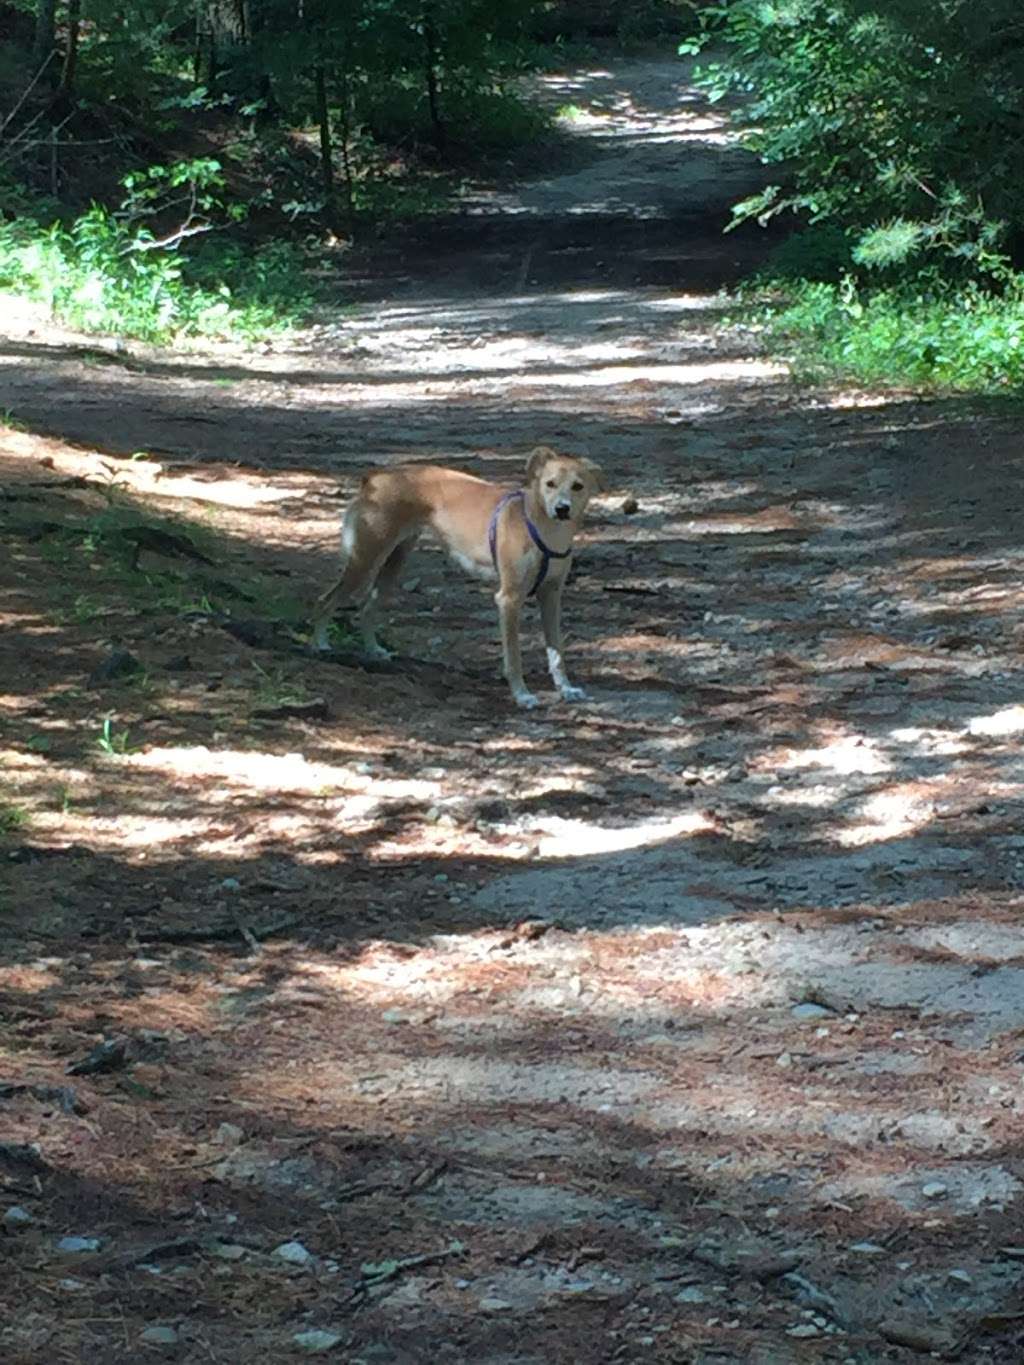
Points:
(577, 487)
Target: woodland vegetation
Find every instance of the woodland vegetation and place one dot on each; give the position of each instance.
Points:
(165, 168)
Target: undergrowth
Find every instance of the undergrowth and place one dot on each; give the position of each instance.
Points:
(960, 337)
(161, 266)
(88, 276)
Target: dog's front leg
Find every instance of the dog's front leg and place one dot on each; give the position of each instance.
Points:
(551, 618)
(510, 605)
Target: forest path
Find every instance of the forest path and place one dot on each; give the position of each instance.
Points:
(682, 1025)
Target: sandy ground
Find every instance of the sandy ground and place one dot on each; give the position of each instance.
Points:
(680, 1026)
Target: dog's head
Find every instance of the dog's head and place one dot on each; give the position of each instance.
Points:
(563, 484)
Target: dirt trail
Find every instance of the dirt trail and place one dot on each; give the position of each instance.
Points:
(682, 1026)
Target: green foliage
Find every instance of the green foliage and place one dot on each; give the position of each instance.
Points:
(109, 271)
(939, 335)
(12, 818)
(113, 743)
(900, 121)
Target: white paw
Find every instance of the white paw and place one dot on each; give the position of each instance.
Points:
(377, 652)
(573, 694)
(526, 700)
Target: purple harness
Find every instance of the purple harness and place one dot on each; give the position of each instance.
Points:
(546, 555)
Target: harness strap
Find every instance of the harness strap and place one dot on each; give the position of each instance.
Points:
(547, 555)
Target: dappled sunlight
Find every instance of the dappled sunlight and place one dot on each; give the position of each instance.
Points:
(843, 754)
(892, 813)
(1009, 720)
(577, 839)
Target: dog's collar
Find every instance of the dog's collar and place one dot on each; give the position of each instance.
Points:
(546, 554)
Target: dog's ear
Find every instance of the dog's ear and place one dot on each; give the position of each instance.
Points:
(539, 457)
(596, 475)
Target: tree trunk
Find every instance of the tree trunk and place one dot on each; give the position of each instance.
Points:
(45, 37)
(346, 137)
(323, 115)
(70, 68)
(430, 46)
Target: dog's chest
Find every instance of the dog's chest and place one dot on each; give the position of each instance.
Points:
(474, 567)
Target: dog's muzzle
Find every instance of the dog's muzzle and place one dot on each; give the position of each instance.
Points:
(563, 511)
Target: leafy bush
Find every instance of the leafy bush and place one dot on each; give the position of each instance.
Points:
(108, 271)
(938, 336)
(899, 120)
(484, 121)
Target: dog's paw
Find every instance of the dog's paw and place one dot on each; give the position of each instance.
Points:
(526, 700)
(574, 694)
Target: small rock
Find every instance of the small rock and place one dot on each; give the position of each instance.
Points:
(78, 1244)
(316, 1342)
(17, 1217)
(110, 1055)
(294, 1253)
(493, 1305)
(118, 664)
(804, 1329)
(934, 1190)
(867, 1249)
(159, 1335)
(228, 1135)
(785, 1060)
(227, 1251)
(395, 1016)
(691, 1294)
(231, 884)
(808, 1010)
(960, 1276)
(71, 1286)
(629, 507)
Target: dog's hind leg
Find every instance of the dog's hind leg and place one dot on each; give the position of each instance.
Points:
(365, 550)
(383, 590)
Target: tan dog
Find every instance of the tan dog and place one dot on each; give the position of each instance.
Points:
(523, 540)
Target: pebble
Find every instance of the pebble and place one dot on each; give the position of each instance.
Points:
(691, 1294)
(228, 1135)
(76, 1244)
(493, 1305)
(294, 1253)
(785, 1060)
(867, 1249)
(71, 1286)
(804, 1329)
(228, 1251)
(158, 1335)
(934, 1190)
(231, 884)
(960, 1276)
(808, 1010)
(316, 1341)
(17, 1217)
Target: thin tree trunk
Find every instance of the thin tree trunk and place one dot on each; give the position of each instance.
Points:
(323, 115)
(430, 44)
(70, 68)
(197, 50)
(346, 135)
(45, 36)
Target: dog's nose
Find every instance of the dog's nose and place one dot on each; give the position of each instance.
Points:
(563, 510)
